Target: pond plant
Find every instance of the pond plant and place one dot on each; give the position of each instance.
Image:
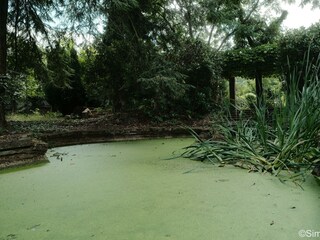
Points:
(285, 139)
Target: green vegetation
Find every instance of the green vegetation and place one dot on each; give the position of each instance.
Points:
(287, 141)
(36, 116)
(245, 92)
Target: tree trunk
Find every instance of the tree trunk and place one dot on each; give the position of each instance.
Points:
(210, 35)
(16, 29)
(3, 57)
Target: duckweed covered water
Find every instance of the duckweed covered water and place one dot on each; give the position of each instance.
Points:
(126, 190)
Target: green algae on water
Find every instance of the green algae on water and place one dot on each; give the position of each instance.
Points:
(127, 190)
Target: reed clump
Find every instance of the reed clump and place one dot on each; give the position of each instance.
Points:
(289, 140)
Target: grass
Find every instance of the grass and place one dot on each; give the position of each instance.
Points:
(35, 122)
(34, 117)
(289, 141)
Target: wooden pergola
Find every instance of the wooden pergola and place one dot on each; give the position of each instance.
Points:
(232, 92)
(250, 63)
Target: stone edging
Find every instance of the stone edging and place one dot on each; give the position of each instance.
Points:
(23, 149)
(96, 136)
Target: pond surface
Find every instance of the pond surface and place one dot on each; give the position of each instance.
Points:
(127, 190)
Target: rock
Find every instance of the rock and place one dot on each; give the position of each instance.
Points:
(86, 113)
(18, 150)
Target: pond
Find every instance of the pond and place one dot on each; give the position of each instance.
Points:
(129, 190)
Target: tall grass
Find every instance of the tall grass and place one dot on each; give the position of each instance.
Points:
(289, 141)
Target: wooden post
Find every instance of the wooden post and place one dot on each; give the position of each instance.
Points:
(259, 89)
(232, 95)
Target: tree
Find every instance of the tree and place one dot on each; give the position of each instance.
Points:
(3, 58)
(64, 90)
(202, 67)
(24, 65)
(25, 18)
(299, 48)
(124, 51)
(191, 14)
